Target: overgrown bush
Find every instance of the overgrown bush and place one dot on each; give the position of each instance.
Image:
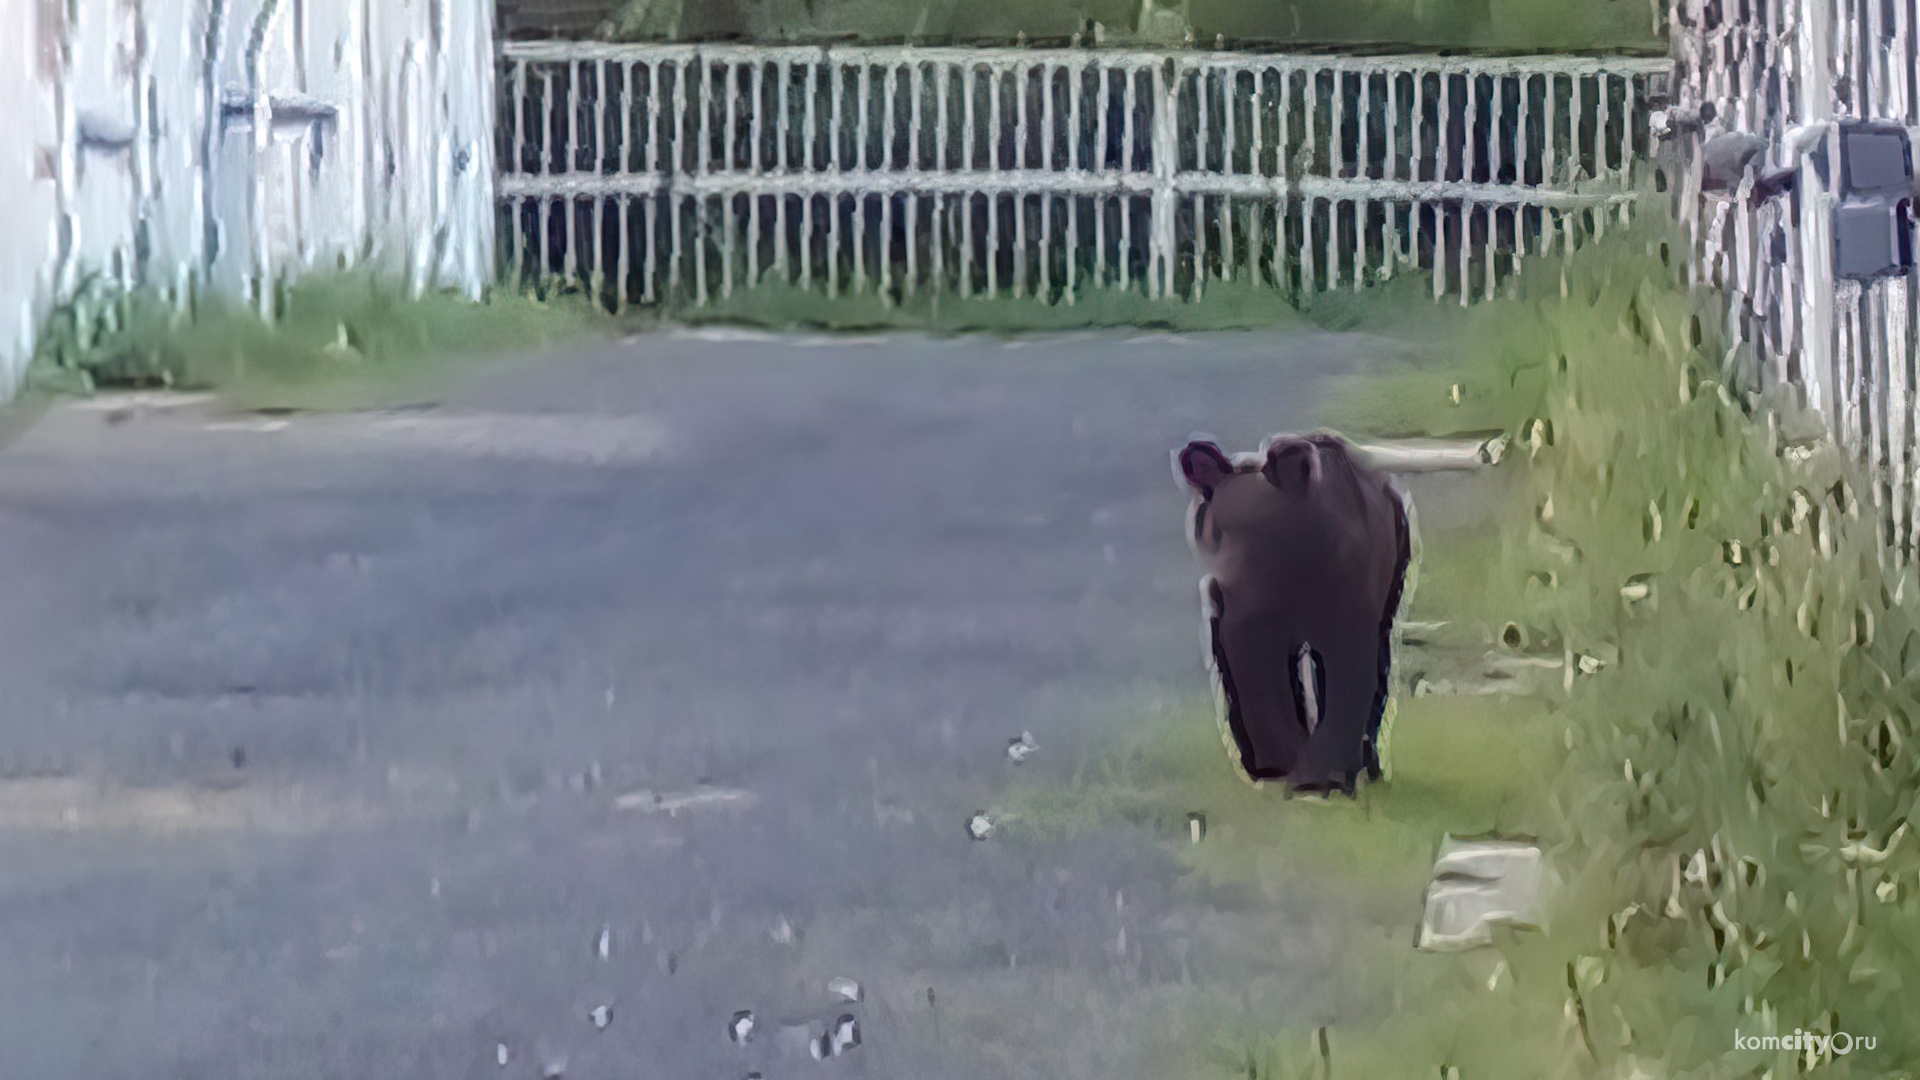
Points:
(1741, 767)
(329, 328)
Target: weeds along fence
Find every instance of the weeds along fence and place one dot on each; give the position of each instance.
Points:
(225, 145)
(1783, 71)
(676, 175)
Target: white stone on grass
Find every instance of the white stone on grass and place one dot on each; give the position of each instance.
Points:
(1476, 886)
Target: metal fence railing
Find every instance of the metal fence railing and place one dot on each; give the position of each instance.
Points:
(678, 173)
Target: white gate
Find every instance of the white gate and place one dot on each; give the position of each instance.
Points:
(675, 173)
(1782, 71)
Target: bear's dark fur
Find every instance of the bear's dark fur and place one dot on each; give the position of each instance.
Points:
(1306, 550)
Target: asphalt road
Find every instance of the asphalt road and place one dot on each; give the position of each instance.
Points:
(314, 732)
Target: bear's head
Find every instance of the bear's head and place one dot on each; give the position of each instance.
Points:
(1255, 493)
(1292, 464)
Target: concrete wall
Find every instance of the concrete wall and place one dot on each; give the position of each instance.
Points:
(230, 144)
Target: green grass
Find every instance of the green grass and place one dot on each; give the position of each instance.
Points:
(1402, 308)
(1468, 766)
(1759, 713)
(1460, 582)
(1407, 400)
(1461, 766)
(1232, 306)
(339, 339)
(1498, 24)
(1732, 806)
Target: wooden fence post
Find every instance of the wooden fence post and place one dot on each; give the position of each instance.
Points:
(1815, 62)
(1164, 244)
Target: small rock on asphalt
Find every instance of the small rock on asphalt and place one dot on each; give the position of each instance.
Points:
(846, 1033)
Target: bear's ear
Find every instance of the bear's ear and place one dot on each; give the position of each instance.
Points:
(1203, 466)
(1293, 465)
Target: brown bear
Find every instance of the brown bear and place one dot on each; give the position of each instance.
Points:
(1306, 550)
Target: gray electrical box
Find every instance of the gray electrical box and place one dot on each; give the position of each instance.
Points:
(1872, 239)
(1876, 160)
(1873, 202)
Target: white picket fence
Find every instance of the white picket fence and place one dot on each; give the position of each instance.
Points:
(1774, 68)
(231, 144)
(677, 174)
